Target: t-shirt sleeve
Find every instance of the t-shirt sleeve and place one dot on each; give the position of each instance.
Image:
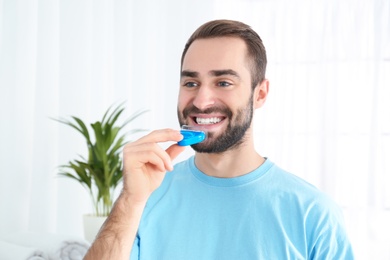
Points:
(330, 240)
(332, 244)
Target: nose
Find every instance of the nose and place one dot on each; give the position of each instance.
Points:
(204, 98)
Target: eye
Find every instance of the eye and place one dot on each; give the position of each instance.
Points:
(224, 84)
(190, 84)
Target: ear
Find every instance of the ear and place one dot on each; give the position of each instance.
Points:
(260, 93)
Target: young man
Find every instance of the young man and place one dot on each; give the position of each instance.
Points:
(226, 202)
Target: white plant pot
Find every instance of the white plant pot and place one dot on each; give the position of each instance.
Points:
(92, 225)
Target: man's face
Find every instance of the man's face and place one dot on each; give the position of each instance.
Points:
(215, 93)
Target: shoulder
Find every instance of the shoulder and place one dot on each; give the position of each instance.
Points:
(303, 196)
(287, 183)
(321, 215)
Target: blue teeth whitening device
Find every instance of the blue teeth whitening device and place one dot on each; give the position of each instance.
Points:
(191, 136)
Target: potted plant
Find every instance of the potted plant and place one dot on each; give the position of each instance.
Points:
(101, 171)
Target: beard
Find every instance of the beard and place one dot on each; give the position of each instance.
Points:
(232, 137)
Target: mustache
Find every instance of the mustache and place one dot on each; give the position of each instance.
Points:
(194, 110)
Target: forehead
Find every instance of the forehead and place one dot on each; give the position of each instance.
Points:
(219, 53)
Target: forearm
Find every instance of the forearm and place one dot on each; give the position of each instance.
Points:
(116, 237)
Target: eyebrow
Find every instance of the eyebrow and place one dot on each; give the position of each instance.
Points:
(189, 74)
(224, 72)
(216, 73)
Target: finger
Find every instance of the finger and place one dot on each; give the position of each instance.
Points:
(163, 135)
(154, 160)
(173, 151)
(151, 153)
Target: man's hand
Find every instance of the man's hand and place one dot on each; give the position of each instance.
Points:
(145, 165)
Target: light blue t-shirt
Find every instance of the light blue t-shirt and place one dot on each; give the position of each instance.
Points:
(265, 214)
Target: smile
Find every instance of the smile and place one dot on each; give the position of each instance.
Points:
(207, 121)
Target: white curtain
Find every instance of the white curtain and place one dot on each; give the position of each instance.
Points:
(327, 118)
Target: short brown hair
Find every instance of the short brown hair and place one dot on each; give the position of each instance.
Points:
(228, 28)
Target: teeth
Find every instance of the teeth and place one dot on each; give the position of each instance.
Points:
(208, 121)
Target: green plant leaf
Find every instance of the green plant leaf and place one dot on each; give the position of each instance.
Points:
(101, 171)
(83, 129)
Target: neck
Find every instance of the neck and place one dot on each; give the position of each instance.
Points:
(232, 163)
